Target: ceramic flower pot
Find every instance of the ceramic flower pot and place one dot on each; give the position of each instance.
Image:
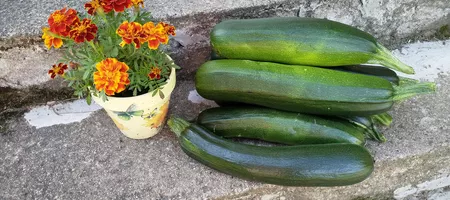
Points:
(142, 116)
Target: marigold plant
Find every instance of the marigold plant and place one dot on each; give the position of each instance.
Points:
(113, 49)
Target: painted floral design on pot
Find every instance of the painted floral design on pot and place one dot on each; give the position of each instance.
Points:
(119, 125)
(129, 113)
(156, 118)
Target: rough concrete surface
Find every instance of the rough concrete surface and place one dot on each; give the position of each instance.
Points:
(91, 159)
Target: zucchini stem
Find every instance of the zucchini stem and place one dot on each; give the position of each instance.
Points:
(378, 136)
(406, 81)
(384, 57)
(177, 125)
(367, 124)
(406, 91)
(383, 118)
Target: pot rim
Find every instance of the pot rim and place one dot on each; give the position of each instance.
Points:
(167, 90)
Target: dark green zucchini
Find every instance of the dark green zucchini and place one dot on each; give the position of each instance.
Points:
(372, 70)
(300, 41)
(301, 165)
(301, 89)
(279, 126)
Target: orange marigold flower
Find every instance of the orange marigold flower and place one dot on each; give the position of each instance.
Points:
(60, 21)
(138, 3)
(93, 6)
(155, 73)
(84, 30)
(168, 28)
(111, 76)
(49, 40)
(117, 5)
(57, 70)
(131, 32)
(155, 34)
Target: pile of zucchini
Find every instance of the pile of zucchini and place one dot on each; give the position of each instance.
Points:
(305, 85)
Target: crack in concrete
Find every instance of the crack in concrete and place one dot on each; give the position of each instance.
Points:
(19, 41)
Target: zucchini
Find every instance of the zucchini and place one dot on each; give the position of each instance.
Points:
(301, 89)
(300, 41)
(372, 70)
(302, 165)
(279, 126)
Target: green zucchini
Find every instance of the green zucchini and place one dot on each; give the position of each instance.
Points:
(279, 126)
(302, 165)
(372, 70)
(301, 89)
(300, 41)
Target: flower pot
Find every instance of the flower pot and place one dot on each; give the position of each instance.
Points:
(142, 116)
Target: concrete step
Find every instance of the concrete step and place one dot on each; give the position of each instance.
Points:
(79, 153)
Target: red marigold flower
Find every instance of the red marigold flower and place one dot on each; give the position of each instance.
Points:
(92, 6)
(49, 40)
(168, 28)
(57, 70)
(155, 34)
(131, 32)
(117, 5)
(155, 73)
(60, 21)
(84, 30)
(111, 76)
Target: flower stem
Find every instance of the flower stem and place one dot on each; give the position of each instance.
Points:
(91, 43)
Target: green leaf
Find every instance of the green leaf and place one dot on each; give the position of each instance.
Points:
(89, 99)
(71, 83)
(114, 52)
(161, 94)
(154, 93)
(136, 65)
(86, 74)
(133, 18)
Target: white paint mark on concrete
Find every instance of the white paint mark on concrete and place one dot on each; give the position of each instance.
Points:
(429, 59)
(434, 184)
(403, 192)
(66, 113)
(272, 196)
(194, 97)
(409, 190)
(440, 196)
